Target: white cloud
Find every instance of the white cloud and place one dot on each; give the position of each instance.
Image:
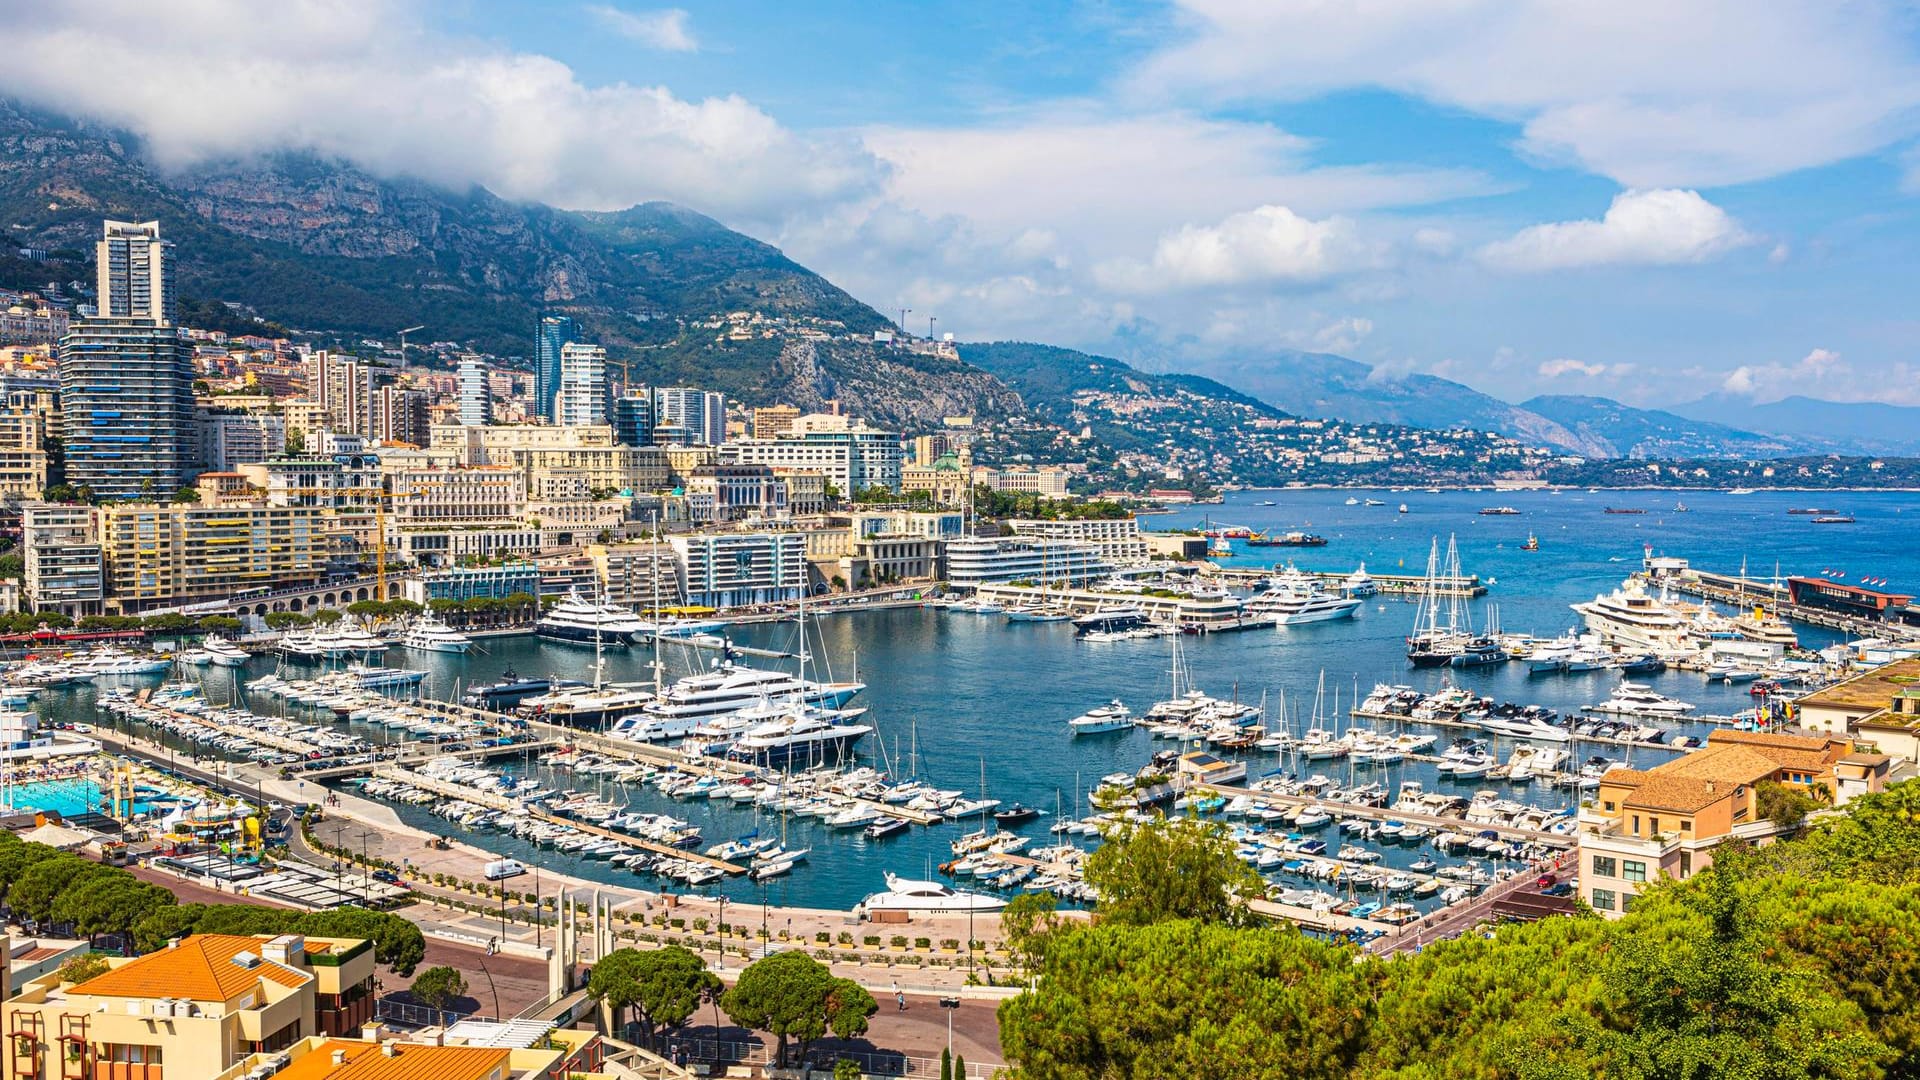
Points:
(1663, 227)
(1648, 92)
(1564, 367)
(364, 80)
(1440, 243)
(666, 29)
(1820, 373)
(1270, 244)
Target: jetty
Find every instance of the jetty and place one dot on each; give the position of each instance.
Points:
(1462, 725)
(1399, 586)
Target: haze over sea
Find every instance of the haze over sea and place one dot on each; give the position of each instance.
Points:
(968, 691)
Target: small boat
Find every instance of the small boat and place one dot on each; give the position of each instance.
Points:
(1403, 508)
(1497, 511)
(1681, 508)
(885, 827)
(1113, 716)
(1623, 510)
(1351, 501)
(1017, 814)
(1532, 544)
(1834, 519)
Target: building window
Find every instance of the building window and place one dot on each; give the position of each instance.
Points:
(1633, 871)
(1686, 826)
(1636, 824)
(1603, 900)
(1626, 902)
(1603, 866)
(1686, 864)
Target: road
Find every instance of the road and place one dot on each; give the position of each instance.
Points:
(1450, 922)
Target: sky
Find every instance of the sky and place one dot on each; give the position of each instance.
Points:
(1644, 200)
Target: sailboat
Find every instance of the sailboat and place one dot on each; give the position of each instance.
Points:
(1432, 644)
(1532, 544)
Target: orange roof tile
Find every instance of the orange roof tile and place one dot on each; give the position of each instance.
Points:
(1731, 764)
(199, 968)
(1771, 739)
(1682, 794)
(366, 1061)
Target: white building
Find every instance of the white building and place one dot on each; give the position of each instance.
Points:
(741, 569)
(1119, 539)
(582, 398)
(852, 460)
(719, 494)
(976, 561)
(1047, 483)
(232, 439)
(476, 397)
(60, 546)
(476, 495)
(135, 270)
(688, 416)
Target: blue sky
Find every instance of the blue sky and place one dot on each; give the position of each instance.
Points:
(1643, 200)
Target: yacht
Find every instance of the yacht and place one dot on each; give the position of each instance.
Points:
(222, 652)
(581, 621)
(728, 688)
(429, 634)
(592, 708)
(1638, 699)
(1628, 616)
(513, 689)
(330, 643)
(1360, 583)
(803, 738)
(1296, 598)
(1113, 716)
(1534, 723)
(904, 894)
(110, 661)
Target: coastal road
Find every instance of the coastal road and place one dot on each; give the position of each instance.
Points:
(1452, 921)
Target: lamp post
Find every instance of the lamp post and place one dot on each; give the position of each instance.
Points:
(492, 948)
(721, 929)
(950, 1005)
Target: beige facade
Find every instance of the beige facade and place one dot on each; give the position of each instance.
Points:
(774, 421)
(946, 487)
(163, 555)
(1641, 825)
(190, 1011)
(23, 455)
(60, 546)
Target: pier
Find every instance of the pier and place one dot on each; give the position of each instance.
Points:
(1386, 813)
(1462, 725)
(1749, 593)
(423, 754)
(499, 802)
(1404, 586)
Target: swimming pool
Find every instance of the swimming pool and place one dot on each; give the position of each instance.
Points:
(67, 797)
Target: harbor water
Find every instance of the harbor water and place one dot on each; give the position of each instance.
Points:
(956, 697)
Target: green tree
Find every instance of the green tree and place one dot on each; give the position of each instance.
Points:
(1025, 923)
(847, 1069)
(83, 967)
(325, 617)
(283, 620)
(438, 987)
(663, 986)
(397, 942)
(1171, 868)
(219, 624)
(946, 1063)
(791, 994)
(1786, 805)
(1188, 999)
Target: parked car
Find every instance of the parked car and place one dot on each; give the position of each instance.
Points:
(1564, 888)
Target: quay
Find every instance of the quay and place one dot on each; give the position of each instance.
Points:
(423, 754)
(498, 802)
(1406, 586)
(1387, 813)
(1748, 593)
(1204, 616)
(1324, 921)
(1461, 725)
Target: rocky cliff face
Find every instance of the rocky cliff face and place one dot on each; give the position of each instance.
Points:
(321, 245)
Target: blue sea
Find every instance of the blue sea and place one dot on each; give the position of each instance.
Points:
(956, 695)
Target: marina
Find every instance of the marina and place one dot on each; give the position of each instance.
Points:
(971, 713)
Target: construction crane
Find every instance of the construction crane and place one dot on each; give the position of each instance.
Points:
(931, 320)
(904, 312)
(403, 344)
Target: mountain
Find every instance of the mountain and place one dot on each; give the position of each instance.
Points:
(320, 245)
(1629, 432)
(1856, 427)
(1322, 384)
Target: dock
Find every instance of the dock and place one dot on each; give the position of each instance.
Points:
(1748, 593)
(1461, 725)
(498, 802)
(1387, 813)
(1400, 586)
(1324, 921)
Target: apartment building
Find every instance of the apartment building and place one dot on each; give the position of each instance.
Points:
(60, 547)
(158, 556)
(774, 421)
(742, 569)
(806, 490)
(1665, 821)
(468, 582)
(1118, 539)
(190, 1011)
(23, 455)
(639, 576)
(976, 561)
(481, 494)
(852, 460)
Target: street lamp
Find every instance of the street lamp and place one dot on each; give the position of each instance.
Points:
(492, 948)
(722, 930)
(950, 1005)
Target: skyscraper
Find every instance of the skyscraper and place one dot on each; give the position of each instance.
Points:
(126, 375)
(701, 415)
(582, 398)
(476, 398)
(633, 417)
(126, 402)
(135, 273)
(551, 337)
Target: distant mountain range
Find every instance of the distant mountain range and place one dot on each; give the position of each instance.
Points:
(322, 246)
(1322, 384)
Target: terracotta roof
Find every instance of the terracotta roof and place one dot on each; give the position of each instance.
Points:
(1682, 794)
(366, 1061)
(1728, 764)
(199, 968)
(1620, 777)
(1771, 739)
